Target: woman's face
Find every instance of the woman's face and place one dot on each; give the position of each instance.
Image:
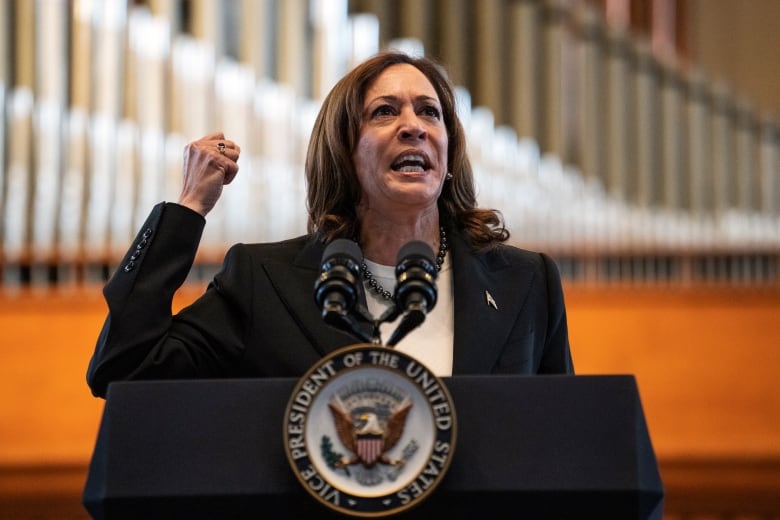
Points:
(401, 154)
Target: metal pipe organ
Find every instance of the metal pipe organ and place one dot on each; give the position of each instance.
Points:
(620, 163)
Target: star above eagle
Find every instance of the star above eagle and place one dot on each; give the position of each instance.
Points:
(366, 437)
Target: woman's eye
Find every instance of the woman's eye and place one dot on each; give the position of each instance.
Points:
(384, 110)
(432, 112)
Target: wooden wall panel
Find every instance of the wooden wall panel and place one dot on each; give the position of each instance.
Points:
(706, 364)
(48, 414)
(705, 360)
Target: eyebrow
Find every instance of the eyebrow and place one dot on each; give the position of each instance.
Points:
(390, 97)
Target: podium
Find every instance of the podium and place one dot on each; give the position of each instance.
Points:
(534, 447)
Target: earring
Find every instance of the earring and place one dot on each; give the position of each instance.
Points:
(449, 176)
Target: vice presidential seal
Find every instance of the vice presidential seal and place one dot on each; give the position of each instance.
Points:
(369, 431)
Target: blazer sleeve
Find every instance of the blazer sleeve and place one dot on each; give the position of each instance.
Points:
(556, 355)
(139, 294)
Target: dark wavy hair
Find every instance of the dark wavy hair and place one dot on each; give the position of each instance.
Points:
(333, 191)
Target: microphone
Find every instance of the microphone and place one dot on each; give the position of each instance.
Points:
(415, 290)
(337, 289)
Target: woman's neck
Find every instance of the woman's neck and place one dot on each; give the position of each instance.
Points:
(381, 238)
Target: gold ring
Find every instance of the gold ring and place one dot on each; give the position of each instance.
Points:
(221, 148)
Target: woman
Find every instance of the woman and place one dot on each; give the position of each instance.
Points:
(386, 165)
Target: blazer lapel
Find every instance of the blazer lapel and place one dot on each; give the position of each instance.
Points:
(487, 299)
(295, 284)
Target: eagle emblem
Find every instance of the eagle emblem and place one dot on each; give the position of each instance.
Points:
(368, 436)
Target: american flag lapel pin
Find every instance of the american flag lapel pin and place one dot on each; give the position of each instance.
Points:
(489, 299)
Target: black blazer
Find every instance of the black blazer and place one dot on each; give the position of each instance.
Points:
(258, 317)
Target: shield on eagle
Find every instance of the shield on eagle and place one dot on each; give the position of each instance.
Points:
(368, 436)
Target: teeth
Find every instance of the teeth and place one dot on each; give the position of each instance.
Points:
(410, 163)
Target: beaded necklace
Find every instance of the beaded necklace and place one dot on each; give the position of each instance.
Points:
(368, 276)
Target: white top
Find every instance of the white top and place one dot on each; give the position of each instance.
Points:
(430, 343)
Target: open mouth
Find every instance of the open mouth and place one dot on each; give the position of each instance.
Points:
(410, 163)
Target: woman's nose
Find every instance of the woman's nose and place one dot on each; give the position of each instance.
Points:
(410, 126)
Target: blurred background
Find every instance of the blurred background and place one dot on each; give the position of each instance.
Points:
(636, 141)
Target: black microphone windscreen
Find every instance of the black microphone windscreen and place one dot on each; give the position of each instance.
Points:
(338, 285)
(342, 247)
(416, 251)
(416, 276)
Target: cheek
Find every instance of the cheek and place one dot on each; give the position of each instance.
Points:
(368, 161)
(357, 164)
(362, 157)
(363, 166)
